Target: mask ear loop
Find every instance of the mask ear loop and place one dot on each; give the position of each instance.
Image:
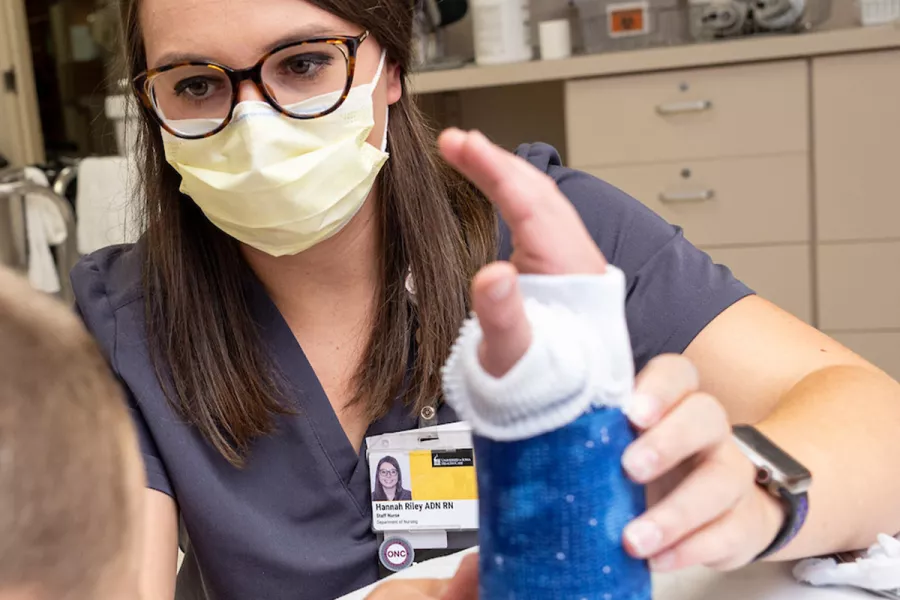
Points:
(381, 62)
(374, 84)
(375, 80)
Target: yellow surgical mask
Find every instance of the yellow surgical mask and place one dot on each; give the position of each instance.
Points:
(278, 184)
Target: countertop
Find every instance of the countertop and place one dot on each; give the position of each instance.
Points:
(763, 581)
(775, 47)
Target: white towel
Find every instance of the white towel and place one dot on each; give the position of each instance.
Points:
(45, 227)
(878, 569)
(103, 203)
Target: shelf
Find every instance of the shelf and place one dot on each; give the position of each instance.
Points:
(802, 45)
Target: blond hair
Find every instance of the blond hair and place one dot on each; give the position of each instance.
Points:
(68, 454)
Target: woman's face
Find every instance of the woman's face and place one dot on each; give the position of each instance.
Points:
(387, 475)
(237, 33)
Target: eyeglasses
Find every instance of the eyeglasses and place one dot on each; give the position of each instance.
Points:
(301, 80)
(389, 473)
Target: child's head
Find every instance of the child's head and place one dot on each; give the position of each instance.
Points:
(70, 474)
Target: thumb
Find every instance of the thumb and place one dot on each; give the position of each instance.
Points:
(497, 301)
(464, 585)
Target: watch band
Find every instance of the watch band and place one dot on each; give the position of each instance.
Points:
(796, 508)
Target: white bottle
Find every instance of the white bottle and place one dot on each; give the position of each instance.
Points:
(499, 31)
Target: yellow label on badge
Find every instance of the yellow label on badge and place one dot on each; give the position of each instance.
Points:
(443, 475)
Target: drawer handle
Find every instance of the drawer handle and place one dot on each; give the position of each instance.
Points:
(698, 196)
(684, 107)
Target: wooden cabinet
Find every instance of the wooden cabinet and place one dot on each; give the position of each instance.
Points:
(689, 114)
(859, 286)
(730, 153)
(722, 152)
(780, 274)
(728, 201)
(856, 108)
(882, 348)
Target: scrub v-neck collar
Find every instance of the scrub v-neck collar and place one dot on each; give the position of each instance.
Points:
(306, 395)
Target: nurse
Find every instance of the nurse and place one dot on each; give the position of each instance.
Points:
(265, 323)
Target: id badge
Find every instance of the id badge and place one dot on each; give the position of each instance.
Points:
(424, 493)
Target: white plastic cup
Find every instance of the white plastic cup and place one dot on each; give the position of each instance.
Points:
(556, 39)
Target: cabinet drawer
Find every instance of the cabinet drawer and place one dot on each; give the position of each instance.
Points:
(780, 274)
(857, 144)
(881, 348)
(703, 113)
(729, 201)
(859, 286)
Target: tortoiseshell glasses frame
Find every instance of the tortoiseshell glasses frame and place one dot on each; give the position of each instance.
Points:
(142, 83)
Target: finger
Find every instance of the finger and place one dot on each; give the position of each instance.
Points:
(727, 543)
(464, 585)
(712, 489)
(495, 172)
(549, 235)
(498, 303)
(663, 383)
(696, 424)
(409, 589)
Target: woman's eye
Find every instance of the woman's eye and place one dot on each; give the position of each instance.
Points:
(195, 88)
(300, 67)
(306, 65)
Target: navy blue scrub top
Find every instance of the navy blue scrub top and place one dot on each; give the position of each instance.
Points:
(295, 523)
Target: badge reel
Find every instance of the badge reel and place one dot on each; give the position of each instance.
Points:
(424, 493)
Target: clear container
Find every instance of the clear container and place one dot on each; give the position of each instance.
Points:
(720, 19)
(615, 25)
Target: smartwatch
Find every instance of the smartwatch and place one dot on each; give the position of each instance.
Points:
(780, 475)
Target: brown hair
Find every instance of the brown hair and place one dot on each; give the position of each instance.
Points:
(202, 341)
(69, 463)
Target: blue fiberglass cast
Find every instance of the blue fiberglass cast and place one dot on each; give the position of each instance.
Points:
(549, 437)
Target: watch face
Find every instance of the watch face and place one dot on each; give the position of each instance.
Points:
(785, 470)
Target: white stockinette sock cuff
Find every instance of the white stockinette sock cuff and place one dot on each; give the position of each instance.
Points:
(579, 358)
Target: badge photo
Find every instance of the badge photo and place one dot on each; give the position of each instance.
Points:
(391, 478)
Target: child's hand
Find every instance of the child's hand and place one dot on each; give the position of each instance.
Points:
(549, 238)
(463, 586)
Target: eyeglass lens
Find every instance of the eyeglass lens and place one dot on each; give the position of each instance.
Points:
(303, 80)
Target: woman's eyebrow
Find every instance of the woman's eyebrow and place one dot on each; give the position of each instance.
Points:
(170, 58)
(305, 33)
(298, 35)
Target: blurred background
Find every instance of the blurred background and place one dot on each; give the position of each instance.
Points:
(768, 129)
